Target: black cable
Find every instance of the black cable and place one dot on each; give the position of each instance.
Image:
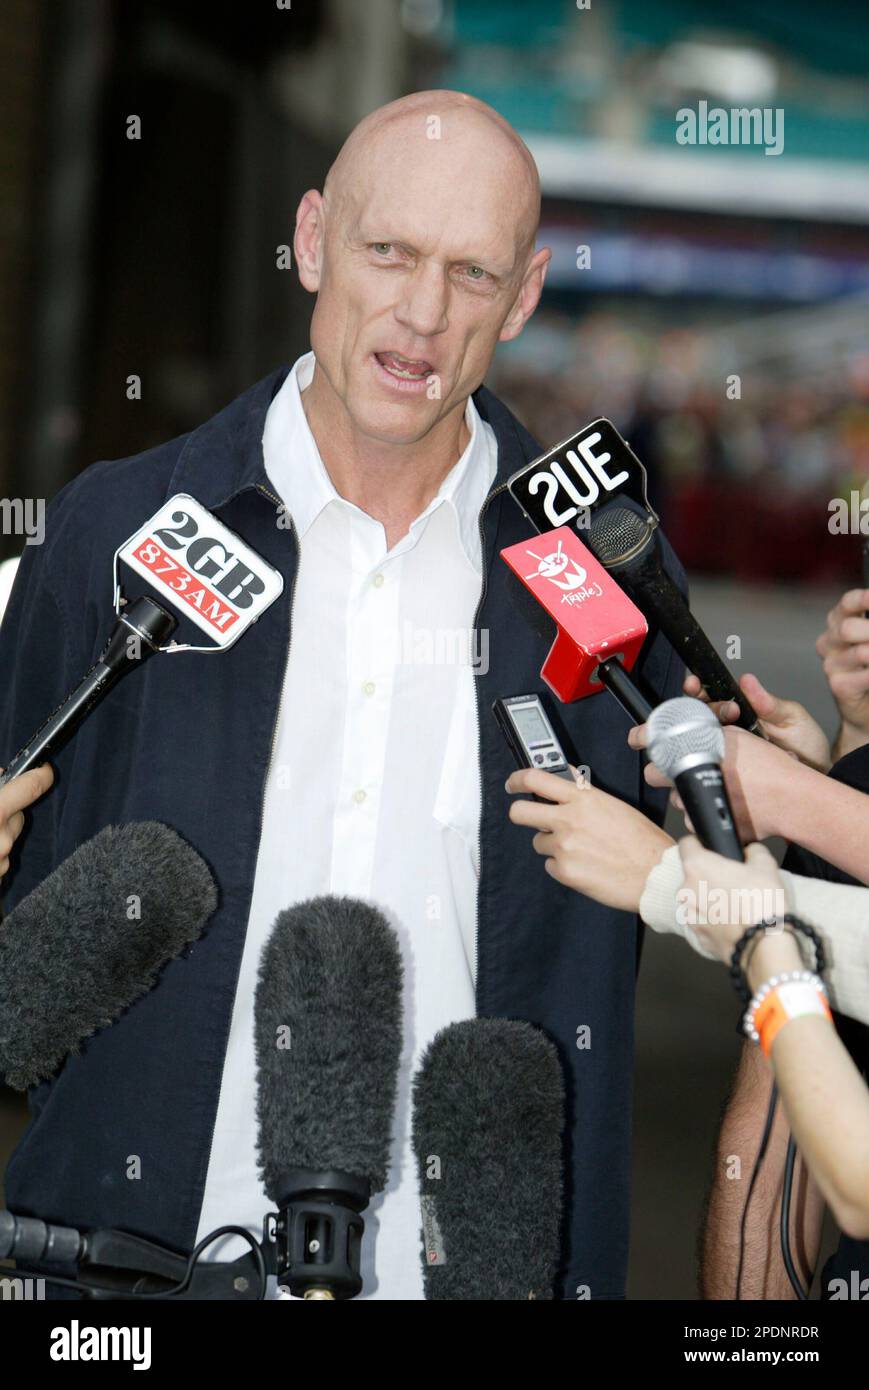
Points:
(176, 1289)
(770, 1116)
(785, 1222)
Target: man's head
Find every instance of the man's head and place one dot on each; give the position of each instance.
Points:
(421, 244)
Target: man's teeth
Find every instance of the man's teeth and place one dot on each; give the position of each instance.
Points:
(401, 366)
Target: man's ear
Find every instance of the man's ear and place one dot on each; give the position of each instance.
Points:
(308, 240)
(528, 297)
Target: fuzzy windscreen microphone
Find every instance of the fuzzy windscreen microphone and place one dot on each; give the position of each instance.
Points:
(91, 939)
(328, 1041)
(488, 1116)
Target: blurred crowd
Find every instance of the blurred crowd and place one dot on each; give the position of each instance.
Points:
(742, 472)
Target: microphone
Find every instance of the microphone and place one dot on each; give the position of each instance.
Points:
(328, 1038)
(72, 960)
(626, 545)
(140, 630)
(488, 1116)
(686, 744)
(202, 570)
(599, 631)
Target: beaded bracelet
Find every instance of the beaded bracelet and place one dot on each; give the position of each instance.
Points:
(737, 975)
(792, 994)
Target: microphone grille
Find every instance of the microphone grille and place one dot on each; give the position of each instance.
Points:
(680, 729)
(617, 533)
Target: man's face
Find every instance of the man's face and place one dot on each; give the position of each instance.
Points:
(420, 271)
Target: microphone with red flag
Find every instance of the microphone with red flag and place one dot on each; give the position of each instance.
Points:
(600, 631)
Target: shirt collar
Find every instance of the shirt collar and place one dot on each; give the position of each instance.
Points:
(297, 471)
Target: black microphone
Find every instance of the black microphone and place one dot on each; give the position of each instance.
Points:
(686, 744)
(328, 1041)
(626, 544)
(72, 959)
(139, 631)
(488, 1116)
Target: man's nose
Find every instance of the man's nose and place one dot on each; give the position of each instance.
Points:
(423, 304)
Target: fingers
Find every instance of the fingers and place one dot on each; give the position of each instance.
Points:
(24, 790)
(535, 782)
(654, 778)
(759, 857)
(534, 813)
(846, 623)
(9, 832)
(638, 736)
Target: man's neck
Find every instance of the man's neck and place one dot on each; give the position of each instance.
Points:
(393, 483)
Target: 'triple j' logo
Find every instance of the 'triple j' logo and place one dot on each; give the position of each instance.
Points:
(554, 567)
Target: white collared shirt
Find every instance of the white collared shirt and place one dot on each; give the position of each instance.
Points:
(373, 789)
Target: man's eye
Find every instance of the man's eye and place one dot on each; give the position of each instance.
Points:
(476, 272)
(382, 247)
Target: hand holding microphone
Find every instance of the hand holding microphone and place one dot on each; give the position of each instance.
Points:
(15, 797)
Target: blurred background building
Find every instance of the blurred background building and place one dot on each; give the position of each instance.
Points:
(710, 299)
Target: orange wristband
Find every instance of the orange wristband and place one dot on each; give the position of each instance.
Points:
(784, 1001)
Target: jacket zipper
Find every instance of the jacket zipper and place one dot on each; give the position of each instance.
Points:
(485, 507)
(278, 504)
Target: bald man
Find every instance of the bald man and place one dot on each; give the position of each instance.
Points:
(346, 745)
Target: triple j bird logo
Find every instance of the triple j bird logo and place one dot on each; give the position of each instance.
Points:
(565, 573)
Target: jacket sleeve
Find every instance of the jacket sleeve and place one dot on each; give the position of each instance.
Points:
(34, 677)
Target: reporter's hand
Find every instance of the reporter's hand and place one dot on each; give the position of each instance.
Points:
(14, 798)
(591, 841)
(742, 893)
(843, 647)
(786, 723)
(758, 776)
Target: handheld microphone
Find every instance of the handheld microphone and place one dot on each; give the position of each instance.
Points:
(488, 1116)
(71, 960)
(140, 630)
(328, 1042)
(626, 545)
(198, 567)
(599, 630)
(686, 744)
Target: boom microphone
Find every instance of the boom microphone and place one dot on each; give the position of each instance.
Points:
(71, 960)
(488, 1116)
(626, 545)
(328, 1041)
(686, 744)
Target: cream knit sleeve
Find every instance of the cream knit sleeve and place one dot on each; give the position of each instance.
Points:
(839, 912)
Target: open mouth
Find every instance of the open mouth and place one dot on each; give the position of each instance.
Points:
(405, 368)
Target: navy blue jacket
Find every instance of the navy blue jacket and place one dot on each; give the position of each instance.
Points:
(187, 741)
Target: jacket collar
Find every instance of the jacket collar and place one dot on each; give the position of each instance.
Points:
(224, 456)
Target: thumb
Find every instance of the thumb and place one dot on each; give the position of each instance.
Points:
(768, 706)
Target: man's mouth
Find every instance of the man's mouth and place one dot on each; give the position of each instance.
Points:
(407, 368)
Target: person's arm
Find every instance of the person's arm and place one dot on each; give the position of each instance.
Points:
(590, 840)
(763, 1271)
(772, 793)
(824, 1096)
(843, 647)
(839, 912)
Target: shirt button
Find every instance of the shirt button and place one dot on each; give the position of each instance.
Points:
(359, 797)
(369, 687)
(377, 581)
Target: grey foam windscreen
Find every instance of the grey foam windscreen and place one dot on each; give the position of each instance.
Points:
(91, 939)
(328, 1042)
